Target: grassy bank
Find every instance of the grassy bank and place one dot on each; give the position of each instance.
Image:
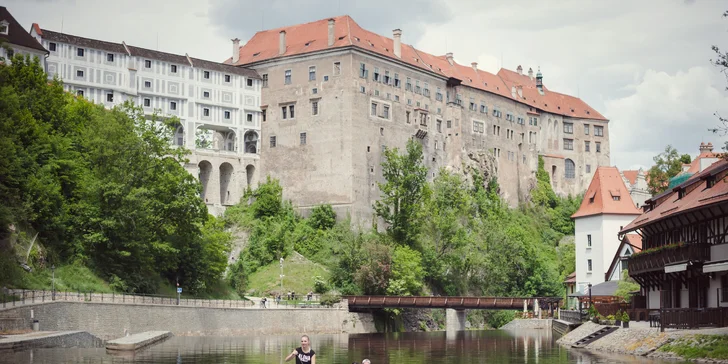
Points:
(67, 278)
(699, 347)
(299, 276)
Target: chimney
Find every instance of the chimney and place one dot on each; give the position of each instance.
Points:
(519, 70)
(475, 66)
(448, 55)
(236, 50)
(539, 81)
(530, 73)
(331, 32)
(706, 148)
(397, 37)
(282, 43)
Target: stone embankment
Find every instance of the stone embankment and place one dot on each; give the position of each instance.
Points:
(640, 340)
(528, 324)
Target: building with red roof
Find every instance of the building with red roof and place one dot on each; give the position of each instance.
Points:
(606, 208)
(337, 95)
(683, 265)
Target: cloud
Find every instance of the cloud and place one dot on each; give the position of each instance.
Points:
(663, 109)
(234, 18)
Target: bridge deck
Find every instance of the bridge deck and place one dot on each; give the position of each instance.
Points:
(498, 303)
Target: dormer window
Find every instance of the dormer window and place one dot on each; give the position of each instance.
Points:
(710, 182)
(616, 198)
(680, 193)
(4, 27)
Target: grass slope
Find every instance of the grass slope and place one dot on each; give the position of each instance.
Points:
(700, 346)
(299, 276)
(67, 277)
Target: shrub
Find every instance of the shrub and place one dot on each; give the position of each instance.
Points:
(625, 316)
(329, 299)
(319, 285)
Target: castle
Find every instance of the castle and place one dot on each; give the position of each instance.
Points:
(315, 105)
(336, 95)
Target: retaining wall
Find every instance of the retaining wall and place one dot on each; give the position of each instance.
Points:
(110, 320)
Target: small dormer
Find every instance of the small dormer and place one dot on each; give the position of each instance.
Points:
(4, 27)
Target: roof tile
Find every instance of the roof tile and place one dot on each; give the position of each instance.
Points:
(606, 184)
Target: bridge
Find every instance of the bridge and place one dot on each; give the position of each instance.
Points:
(454, 306)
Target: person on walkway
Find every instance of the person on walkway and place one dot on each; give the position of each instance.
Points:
(309, 296)
(303, 354)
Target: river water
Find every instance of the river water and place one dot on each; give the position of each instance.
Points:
(469, 347)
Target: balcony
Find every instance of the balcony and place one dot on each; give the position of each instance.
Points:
(656, 259)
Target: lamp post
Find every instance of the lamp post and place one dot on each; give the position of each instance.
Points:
(281, 261)
(53, 282)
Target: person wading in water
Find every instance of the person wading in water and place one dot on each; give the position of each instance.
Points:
(304, 354)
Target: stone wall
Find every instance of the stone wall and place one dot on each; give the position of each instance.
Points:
(530, 324)
(109, 320)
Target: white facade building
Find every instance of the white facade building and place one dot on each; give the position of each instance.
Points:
(218, 105)
(16, 40)
(607, 208)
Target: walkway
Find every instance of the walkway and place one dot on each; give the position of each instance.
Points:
(460, 303)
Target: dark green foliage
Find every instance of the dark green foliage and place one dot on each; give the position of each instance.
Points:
(103, 188)
(330, 299)
(322, 217)
(667, 165)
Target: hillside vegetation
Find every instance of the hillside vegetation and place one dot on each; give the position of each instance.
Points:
(97, 192)
(448, 237)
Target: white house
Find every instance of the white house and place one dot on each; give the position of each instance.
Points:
(607, 207)
(218, 105)
(16, 40)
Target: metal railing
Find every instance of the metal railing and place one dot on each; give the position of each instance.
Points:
(572, 316)
(696, 252)
(18, 297)
(693, 318)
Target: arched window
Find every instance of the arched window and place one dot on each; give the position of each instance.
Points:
(229, 143)
(179, 136)
(251, 142)
(569, 169)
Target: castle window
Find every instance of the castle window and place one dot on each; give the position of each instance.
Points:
(228, 78)
(287, 77)
(52, 47)
(206, 75)
(314, 108)
(587, 146)
(312, 73)
(273, 142)
(80, 52)
(599, 147)
(4, 27)
(586, 129)
(363, 71)
(109, 57)
(569, 169)
(147, 63)
(337, 68)
(568, 128)
(598, 130)
(568, 144)
(396, 80)
(227, 115)
(588, 168)
(248, 82)
(173, 106)
(265, 80)
(302, 138)
(172, 68)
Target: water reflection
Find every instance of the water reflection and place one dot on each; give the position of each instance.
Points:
(469, 347)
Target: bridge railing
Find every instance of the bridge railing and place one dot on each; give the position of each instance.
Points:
(572, 316)
(459, 302)
(18, 297)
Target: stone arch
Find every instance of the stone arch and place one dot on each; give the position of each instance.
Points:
(226, 177)
(553, 173)
(179, 136)
(251, 142)
(569, 169)
(205, 173)
(250, 173)
(229, 141)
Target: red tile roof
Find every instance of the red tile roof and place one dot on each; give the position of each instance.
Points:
(631, 176)
(599, 197)
(698, 196)
(635, 240)
(571, 278)
(37, 29)
(313, 37)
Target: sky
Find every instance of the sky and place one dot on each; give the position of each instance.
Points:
(643, 64)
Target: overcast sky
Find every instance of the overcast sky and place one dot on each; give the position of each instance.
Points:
(644, 64)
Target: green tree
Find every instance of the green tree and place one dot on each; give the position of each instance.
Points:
(403, 192)
(667, 165)
(407, 272)
(322, 217)
(626, 286)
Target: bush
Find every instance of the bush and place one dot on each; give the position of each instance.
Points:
(329, 299)
(319, 285)
(625, 316)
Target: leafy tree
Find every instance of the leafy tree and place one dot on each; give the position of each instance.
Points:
(407, 272)
(403, 192)
(667, 165)
(268, 199)
(322, 217)
(625, 286)
(375, 272)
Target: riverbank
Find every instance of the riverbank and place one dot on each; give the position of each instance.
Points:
(642, 340)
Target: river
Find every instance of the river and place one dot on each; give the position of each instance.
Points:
(469, 347)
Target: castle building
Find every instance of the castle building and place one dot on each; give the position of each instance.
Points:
(17, 39)
(607, 207)
(636, 182)
(218, 105)
(336, 95)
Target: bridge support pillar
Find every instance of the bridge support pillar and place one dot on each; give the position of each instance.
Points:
(454, 320)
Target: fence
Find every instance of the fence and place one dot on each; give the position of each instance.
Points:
(17, 297)
(692, 318)
(572, 316)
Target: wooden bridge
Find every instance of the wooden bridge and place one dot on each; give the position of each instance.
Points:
(453, 302)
